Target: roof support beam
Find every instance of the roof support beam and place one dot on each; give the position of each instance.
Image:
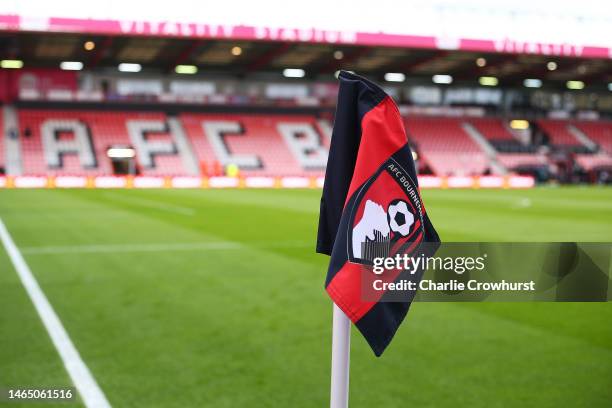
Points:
(269, 56)
(408, 67)
(101, 51)
(473, 71)
(345, 63)
(186, 54)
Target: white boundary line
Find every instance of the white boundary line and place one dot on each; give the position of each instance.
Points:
(90, 392)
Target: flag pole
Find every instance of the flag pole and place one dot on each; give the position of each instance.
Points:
(341, 351)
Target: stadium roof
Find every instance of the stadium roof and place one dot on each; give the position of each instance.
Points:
(513, 41)
(241, 57)
(571, 24)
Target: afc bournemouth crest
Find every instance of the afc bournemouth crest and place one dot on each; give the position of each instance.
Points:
(386, 217)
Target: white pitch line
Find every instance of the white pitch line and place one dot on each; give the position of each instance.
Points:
(158, 247)
(88, 388)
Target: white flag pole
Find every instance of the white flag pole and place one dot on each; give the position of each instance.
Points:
(341, 351)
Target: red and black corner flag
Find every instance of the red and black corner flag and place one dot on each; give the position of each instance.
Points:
(371, 207)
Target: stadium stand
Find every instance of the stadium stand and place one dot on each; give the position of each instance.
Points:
(200, 103)
(445, 146)
(75, 142)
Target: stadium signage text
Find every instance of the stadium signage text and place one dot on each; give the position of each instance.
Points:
(244, 32)
(306, 35)
(168, 28)
(177, 29)
(404, 180)
(524, 47)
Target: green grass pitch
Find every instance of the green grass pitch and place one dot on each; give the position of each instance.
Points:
(200, 298)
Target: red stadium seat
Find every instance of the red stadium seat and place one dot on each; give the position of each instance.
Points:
(594, 161)
(492, 129)
(598, 132)
(260, 138)
(106, 129)
(559, 133)
(445, 146)
(515, 160)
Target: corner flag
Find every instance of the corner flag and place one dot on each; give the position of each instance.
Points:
(371, 207)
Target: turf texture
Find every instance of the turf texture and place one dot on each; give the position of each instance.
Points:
(201, 298)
